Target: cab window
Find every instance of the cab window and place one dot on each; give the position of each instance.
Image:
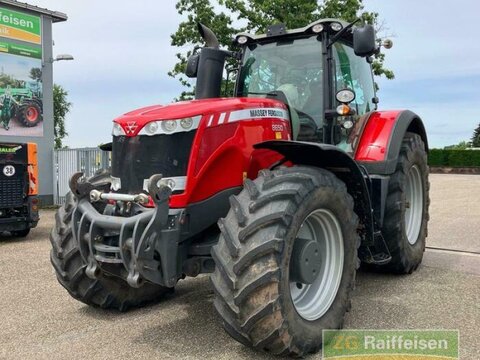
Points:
(354, 72)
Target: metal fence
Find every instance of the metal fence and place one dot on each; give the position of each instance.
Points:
(69, 161)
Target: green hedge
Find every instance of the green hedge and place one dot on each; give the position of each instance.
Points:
(454, 158)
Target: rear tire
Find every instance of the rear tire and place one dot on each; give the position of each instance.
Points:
(253, 260)
(406, 209)
(106, 291)
(30, 114)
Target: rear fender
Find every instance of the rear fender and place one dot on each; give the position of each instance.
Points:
(380, 142)
(341, 164)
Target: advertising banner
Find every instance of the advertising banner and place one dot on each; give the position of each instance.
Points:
(21, 91)
(19, 26)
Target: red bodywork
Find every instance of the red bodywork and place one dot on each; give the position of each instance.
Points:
(375, 137)
(222, 154)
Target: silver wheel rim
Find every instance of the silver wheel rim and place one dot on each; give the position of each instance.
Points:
(313, 301)
(414, 204)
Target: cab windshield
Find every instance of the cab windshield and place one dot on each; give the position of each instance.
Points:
(293, 66)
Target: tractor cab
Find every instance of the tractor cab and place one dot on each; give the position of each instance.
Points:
(322, 72)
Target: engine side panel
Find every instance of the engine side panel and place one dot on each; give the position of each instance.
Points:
(223, 156)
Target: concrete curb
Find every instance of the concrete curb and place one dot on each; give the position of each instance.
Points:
(451, 170)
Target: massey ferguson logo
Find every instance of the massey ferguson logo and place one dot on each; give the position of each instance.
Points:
(131, 127)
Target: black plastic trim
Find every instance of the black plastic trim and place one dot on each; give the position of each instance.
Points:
(203, 214)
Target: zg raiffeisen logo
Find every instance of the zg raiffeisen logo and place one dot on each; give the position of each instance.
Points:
(390, 344)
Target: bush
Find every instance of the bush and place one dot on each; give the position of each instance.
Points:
(454, 158)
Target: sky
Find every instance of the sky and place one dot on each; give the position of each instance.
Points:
(122, 55)
(18, 66)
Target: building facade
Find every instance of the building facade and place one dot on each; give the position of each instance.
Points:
(26, 83)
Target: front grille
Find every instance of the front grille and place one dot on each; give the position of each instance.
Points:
(135, 159)
(11, 192)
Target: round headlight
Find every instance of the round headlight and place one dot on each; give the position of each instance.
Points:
(345, 96)
(169, 125)
(117, 130)
(186, 123)
(335, 26)
(151, 128)
(242, 40)
(348, 124)
(318, 28)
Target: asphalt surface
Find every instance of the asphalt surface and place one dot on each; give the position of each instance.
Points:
(39, 320)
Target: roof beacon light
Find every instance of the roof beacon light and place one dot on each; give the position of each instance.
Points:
(317, 28)
(335, 26)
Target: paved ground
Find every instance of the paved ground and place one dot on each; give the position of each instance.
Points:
(39, 320)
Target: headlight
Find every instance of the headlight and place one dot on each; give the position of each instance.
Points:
(348, 124)
(152, 127)
(117, 130)
(242, 40)
(318, 28)
(345, 96)
(186, 123)
(335, 26)
(169, 125)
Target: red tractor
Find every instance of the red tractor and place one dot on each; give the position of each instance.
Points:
(280, 191)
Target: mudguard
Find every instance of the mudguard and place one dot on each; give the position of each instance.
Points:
(341, 164)
(380, 141)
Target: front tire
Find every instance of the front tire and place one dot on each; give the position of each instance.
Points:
(106, 291)
(406, 209)
(21, 233)
(255, 295)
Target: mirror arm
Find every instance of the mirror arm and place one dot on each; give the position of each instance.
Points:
(341, 32)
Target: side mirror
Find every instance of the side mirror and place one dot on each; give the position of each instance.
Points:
(364, 41)
(192, 66)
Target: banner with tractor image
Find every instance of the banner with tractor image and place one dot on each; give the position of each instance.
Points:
(21, 93)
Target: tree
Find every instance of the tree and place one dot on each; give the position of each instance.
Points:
(61, 107)
(36, 74)
(476, 137)
(462, 145)
(256, 16)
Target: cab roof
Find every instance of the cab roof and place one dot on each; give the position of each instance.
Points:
(280, 31)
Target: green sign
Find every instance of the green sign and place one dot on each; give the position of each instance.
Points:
(22, 50)
(20, 26)
(391, 344)
(9, 150)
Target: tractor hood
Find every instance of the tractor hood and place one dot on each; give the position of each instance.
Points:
(132, 122)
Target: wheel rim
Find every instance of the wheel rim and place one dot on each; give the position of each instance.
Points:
(414, 204)
(312, 301)
(31, 114)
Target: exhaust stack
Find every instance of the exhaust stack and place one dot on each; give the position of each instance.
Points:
(208, 65)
